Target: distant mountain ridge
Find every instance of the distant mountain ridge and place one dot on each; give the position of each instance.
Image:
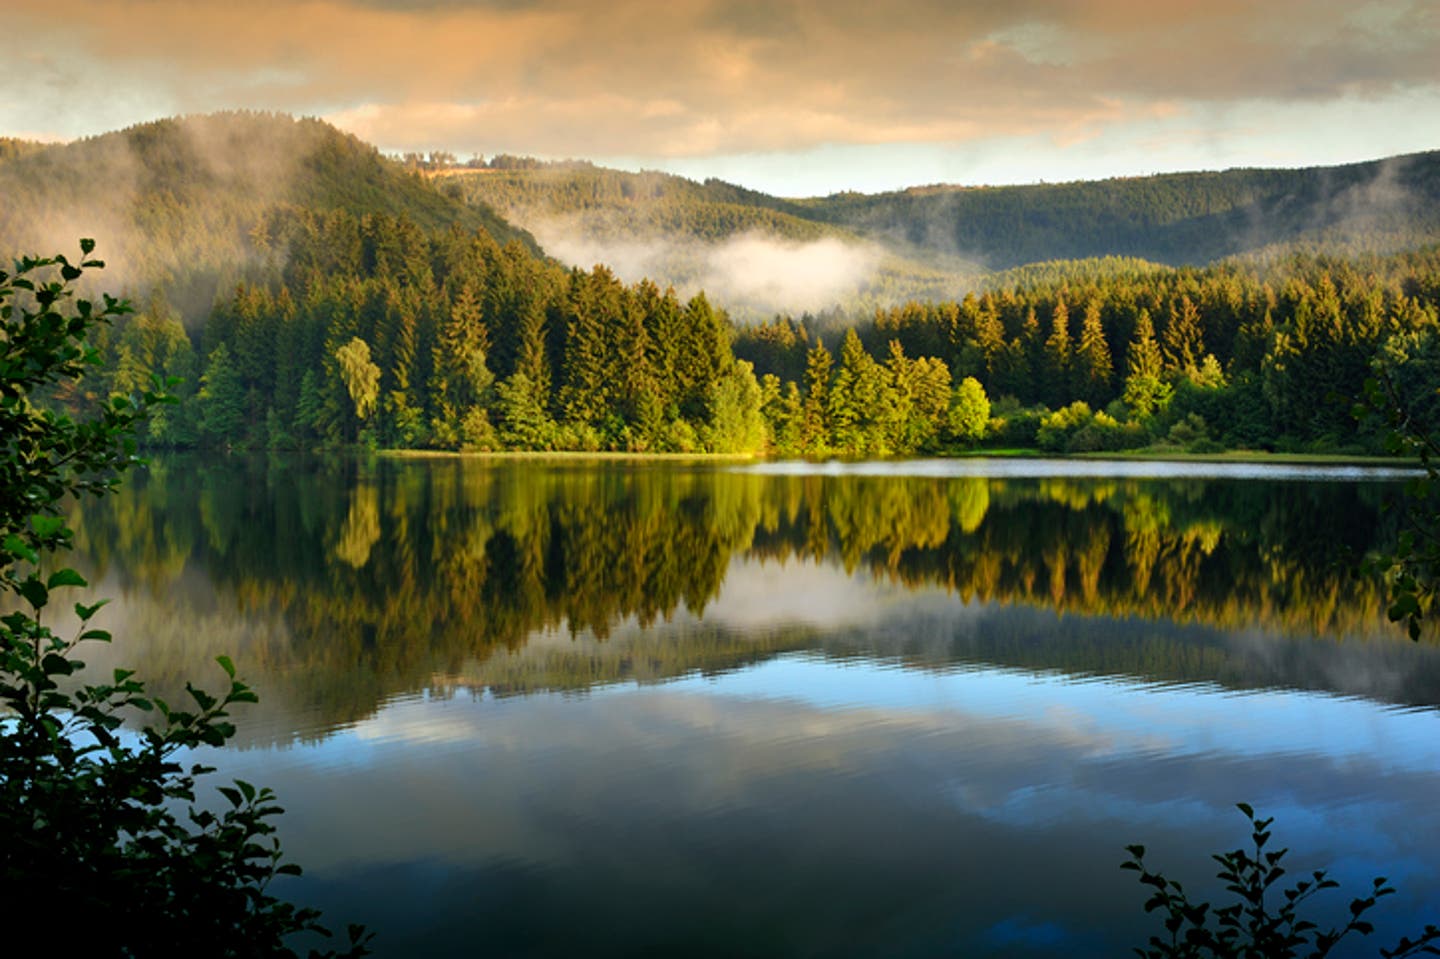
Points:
(1176, 219)
(177, 202)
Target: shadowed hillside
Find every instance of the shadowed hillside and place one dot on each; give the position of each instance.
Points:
(1186, 218)
(176, 202)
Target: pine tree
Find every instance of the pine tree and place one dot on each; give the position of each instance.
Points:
(590, 314)
(222, 399)
(815, 428)
(1093, 366)
(462, 379)
(703, 358)
(1184, 341)
(851, 397)
(1146, 390)
(1027, 360)
(1057, 358)
(990, 336)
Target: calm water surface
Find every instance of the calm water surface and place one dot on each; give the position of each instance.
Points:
(528, 709)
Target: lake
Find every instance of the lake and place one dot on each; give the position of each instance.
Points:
(547, 708)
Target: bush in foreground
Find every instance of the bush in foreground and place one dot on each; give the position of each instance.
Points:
(1259, 923)
(104, 849)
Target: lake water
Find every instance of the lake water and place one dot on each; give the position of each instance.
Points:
(519, 708)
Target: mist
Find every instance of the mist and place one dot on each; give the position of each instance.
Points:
(170, 204)
(753, 275)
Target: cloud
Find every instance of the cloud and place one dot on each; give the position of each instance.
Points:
(694, 77)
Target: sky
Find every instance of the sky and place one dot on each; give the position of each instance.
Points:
(796, 97)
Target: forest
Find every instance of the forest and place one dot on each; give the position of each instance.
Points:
(307, 292)
(379, 334)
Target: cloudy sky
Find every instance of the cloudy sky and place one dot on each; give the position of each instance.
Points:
(791, 96)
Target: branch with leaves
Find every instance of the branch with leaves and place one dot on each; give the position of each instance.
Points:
(1259, 923)
(102, 839)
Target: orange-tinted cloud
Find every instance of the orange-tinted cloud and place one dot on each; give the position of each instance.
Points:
(694, 77)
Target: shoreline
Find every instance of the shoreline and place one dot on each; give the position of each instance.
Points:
(1254, 457)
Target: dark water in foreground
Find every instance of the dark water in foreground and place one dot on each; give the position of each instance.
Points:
(528, 709)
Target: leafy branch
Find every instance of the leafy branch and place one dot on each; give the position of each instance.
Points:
(101, 836)
(1262, 922)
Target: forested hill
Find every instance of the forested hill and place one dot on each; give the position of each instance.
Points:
(311, 293)
(757, 254)
(10, 148)
(176, 202)
(614, 204)
(1177, 219)
(1186, 218)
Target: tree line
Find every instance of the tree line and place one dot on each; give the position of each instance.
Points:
(1115, 354)
(378, 332)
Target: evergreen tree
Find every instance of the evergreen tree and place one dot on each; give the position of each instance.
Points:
(1057, 358)
(591, 317)
(1184, 341)
(815, 429)
(855, 399)
(1093, 366)
(990, 336)
(704, 357)
(462, 377)
(1146, 390)
(222, 399)
(524, 422)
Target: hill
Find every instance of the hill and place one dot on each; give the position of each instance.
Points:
(1179, 219)
(1176, 219)
(755, 253)
(311, 292)
(176, 202)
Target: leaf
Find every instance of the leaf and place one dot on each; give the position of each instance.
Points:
(226, 665)
(34, 592)
(88, 612)
(45, 526)
(18, 548)
(65, 577)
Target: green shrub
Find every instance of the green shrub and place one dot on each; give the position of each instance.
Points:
(104, 846)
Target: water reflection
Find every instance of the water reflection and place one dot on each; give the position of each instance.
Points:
(806, 807)
(354, 584)
(540, 709)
